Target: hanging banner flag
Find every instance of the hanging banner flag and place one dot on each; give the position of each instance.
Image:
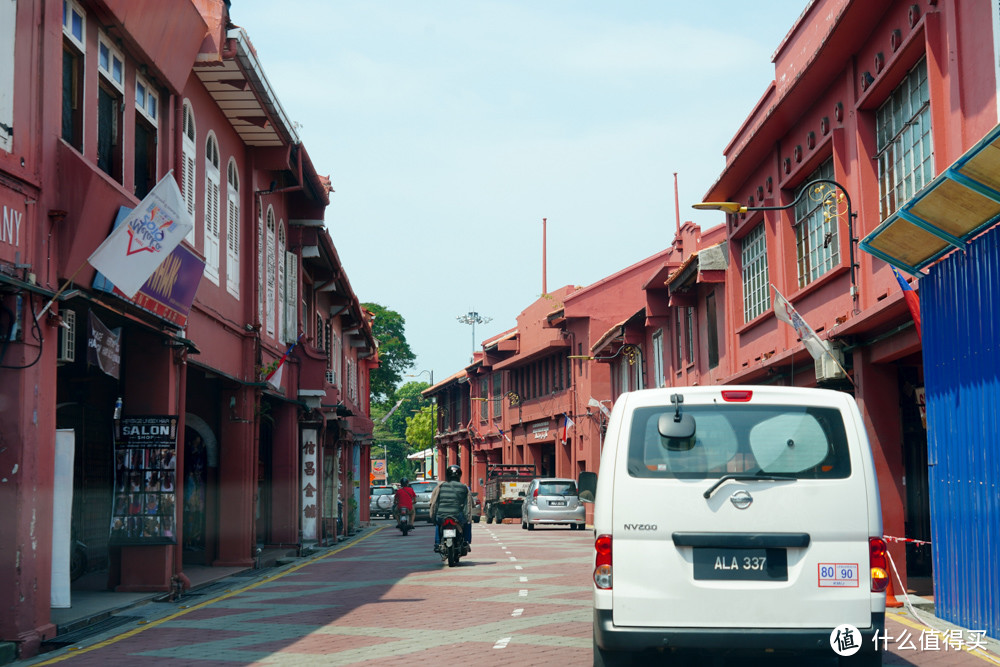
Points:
(567, 422)
(785, 312)
(273, 376)
(133, 251)
(103, 346)
(912, 300)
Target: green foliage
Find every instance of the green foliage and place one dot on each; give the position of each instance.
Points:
(390, 436)
(420, 428)
(394, 353)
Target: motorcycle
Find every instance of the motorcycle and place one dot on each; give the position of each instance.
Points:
(453, 544)
(404, 523)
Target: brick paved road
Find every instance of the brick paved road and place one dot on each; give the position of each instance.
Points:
(520, 598)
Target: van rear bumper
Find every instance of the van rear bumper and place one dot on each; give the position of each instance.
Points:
(610, 637)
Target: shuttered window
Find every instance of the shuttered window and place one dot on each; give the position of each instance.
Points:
(212, 214)
(233, 229)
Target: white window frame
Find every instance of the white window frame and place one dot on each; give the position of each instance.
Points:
(281, 279)
(659, 379)
(114, 71)
(147, 100)
(291, 329)
(817, 241)
(233, 228)
(756, 292)
(904, 142)
(270, 273)
(8, 22)
(213, 215)
(189, 164)
(260, 264)
(70, 9)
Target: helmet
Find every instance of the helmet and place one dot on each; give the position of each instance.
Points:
(404, 482)
(453, 474)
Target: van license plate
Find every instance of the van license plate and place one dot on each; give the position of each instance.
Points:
(741, 564)
(557, 503)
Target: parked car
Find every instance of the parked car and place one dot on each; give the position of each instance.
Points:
(738, 519)
(422, 503)
(381, 501)
(553, 501)
(477, 507)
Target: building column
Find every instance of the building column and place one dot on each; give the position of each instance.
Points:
(237, 481)
(28, 425)
(878, 399)
(285, 475)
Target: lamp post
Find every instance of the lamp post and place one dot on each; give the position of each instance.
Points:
(821, 190)
(473, 318)
(416, 375)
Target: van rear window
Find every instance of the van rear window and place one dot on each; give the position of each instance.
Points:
(794, 441)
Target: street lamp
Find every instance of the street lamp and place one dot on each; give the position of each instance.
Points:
(473, 318)
(416, 375)
(822, 190)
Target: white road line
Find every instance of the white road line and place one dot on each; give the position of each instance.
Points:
(523, 593)
(517, 612)
(502, 643)
(524, 578)
(506, 552)
(518, 567)
(512, 558)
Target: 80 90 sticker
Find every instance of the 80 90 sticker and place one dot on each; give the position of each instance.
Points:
(838, 575)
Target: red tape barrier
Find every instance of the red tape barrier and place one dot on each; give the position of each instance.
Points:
(904, 539)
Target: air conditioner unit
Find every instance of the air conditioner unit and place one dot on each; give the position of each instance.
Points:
(829, 367)
(331, 377)
(67, 337)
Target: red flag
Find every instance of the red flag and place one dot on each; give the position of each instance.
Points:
(912, 300)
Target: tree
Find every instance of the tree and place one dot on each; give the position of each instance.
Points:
(390, 433)
(420, 428)
(394, 353)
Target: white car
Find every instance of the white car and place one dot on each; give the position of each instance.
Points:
(740, 520)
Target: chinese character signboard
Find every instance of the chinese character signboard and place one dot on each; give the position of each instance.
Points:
(145, 497)
(310, 485)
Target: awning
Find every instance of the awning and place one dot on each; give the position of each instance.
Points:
(949, 211)
(616, 331)
(546, 348)
(422, 454)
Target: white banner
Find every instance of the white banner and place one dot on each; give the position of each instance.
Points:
(151, 231)
(62, 517)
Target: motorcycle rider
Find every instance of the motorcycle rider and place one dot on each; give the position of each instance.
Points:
(452, 498)
(404, 497)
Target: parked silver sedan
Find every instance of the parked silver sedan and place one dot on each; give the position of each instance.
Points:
(553, 500)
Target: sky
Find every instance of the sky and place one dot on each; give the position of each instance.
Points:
(451, 128)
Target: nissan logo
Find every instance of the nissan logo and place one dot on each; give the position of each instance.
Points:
(741, 499)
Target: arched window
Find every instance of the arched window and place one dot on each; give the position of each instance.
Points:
(282, 282)
(233, 229)
(270, 272)
(212, 187)
(260, 264)
(188, 170)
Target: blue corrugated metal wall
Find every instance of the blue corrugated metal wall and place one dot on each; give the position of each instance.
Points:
(960, 309)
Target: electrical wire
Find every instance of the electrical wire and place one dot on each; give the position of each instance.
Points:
(38, 337)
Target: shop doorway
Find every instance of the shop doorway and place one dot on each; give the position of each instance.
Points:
(914, 430)
(195, 497)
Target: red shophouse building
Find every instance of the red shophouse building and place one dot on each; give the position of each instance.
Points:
(870, 101)
(537, 394)
(108, 98)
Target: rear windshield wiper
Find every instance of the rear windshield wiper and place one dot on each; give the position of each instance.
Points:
(744, 477)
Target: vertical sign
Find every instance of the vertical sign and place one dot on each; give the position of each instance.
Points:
(310, 483)
(145, 497)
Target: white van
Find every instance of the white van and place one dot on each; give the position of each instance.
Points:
(738, 519)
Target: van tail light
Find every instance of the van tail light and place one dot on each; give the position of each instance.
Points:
(878, 560)
(737, 396)
(602, 562)
(535, 494)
